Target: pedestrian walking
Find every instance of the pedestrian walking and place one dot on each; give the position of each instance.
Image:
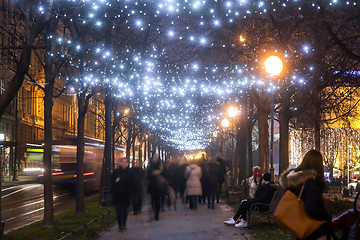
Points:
(180, 175)
(310, 174)
(156, 184)
(211, 174)
(173, 181)
(221, 177)
(202, 163)
(137, 189)
(349, 222)
(122, 181)
(193, 184)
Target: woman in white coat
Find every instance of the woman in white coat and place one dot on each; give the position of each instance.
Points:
(193, 184)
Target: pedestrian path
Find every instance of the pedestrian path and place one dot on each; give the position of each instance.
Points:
(181, 224)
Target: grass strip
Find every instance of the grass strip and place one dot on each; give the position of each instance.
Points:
(66, 222)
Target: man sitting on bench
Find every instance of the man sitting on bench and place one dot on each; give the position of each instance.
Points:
(263, 194)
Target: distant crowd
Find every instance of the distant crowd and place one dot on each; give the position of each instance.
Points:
(194, 183)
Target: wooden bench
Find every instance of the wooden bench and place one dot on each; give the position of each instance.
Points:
(259, 210)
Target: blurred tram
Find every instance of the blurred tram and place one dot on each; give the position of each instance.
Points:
(64, 161)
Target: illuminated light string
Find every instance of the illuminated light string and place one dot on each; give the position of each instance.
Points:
(177, 99)
(339, 145)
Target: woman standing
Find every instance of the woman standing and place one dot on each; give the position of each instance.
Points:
(193, 184)
(310, 174)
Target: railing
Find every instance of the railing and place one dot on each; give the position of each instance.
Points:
(84, 227)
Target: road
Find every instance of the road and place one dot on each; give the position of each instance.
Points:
(24, 204)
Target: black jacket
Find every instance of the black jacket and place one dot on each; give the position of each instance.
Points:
(264, 193)
(154, 181)
(311, 196)
(211, 173)
(122, 189)
(138, 178)
(222, 170)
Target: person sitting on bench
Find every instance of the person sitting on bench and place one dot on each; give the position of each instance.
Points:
(263, 194)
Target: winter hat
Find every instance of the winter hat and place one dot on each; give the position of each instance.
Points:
(257, 173)
(267, 177)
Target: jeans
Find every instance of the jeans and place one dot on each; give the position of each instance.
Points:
(193, 202)
(121, 214)
(136, 201)
(242, 210)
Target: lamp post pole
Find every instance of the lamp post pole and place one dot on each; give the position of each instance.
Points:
(274, 66)
(225, 123)
(233, 155)
(271, 153)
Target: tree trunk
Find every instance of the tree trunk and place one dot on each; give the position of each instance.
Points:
(145, 150)
(249, 129)
(317, 127)
(149, 148)
(241, 141)
(128, 150)
(80, 207)
(133, 147)
(284, 118)
(263, 139)
(48, 221)
(140, 154)
(107, 148)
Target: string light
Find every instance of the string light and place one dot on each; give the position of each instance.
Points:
(176, 95)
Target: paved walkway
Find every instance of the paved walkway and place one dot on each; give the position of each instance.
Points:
(180, 224)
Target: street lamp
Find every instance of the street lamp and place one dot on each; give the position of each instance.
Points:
(273, 66)
(225, 123)
(232, 111)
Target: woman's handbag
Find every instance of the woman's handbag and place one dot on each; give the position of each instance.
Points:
(291, 213)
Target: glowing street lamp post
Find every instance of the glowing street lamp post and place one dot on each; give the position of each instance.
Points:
(232, 112)
(273, 66)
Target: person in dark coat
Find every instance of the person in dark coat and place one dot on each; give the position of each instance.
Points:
(310, 173)
(122, 181)
(173, 180)
(156, 184)
(202, 163)
(180, 175)
(221, 177)
(137, 189)
(349, 222)
(263, 194)
(212, 180)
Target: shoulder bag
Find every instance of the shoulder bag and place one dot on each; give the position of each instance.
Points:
(291, 213)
